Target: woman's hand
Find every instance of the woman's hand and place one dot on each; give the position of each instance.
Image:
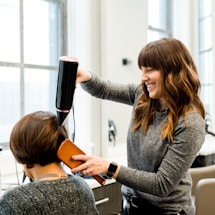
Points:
(92, 165)
(82, 76)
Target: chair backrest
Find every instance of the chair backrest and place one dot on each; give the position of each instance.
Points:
(199, 173)
(205, 197)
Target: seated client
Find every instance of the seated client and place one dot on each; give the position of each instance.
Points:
(34, 142)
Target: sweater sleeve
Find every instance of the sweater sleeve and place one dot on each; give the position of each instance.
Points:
(123, 93)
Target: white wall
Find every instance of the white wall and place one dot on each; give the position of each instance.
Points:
(123, 34)
(102, 33)
(84, 43)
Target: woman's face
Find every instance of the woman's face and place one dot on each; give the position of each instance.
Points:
(152, 80)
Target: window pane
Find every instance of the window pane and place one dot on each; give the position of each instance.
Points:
(40, 90)
(159, 19)
(9, 36)
(41, 31)
(206, 77)
(155, 35)
(29, 28)
(205, 54)
(9, 100)
(153, 18)
(207, 98)
(204, 8)
(159, 14)
(205, 60)
(205, 35)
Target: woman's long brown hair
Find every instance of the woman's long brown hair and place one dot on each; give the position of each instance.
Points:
(180, 84)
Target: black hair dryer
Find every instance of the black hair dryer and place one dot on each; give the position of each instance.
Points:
(66, 84)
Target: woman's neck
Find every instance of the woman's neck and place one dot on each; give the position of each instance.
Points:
(50, 171)
(51, 176)
(163, 104)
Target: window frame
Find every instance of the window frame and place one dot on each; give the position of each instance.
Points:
(21, 65)
(206, 63)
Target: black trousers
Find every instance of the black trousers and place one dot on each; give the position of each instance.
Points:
(136, 207)
(140, 211)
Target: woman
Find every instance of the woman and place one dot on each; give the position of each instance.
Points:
(34, 142)
(166, 132)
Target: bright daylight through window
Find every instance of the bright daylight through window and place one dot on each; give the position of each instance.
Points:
(30, 44)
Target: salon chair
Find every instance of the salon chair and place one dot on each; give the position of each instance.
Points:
(203, 189)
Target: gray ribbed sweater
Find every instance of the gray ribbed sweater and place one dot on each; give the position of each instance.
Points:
(157, 170)
(56, 197)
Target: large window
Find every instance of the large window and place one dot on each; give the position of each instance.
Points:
(33, 36)
(205, 55)
(159, 19)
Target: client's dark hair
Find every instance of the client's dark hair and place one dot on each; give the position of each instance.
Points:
(36, 137)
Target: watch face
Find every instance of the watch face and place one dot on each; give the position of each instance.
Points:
(112, 169)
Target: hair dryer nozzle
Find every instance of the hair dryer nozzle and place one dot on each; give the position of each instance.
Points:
(66, 82)
(61, 116)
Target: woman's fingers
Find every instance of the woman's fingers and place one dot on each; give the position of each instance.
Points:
(91, 165)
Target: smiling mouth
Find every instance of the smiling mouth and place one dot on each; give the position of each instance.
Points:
(149, 86)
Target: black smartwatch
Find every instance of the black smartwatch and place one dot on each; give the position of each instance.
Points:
(112, 169)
